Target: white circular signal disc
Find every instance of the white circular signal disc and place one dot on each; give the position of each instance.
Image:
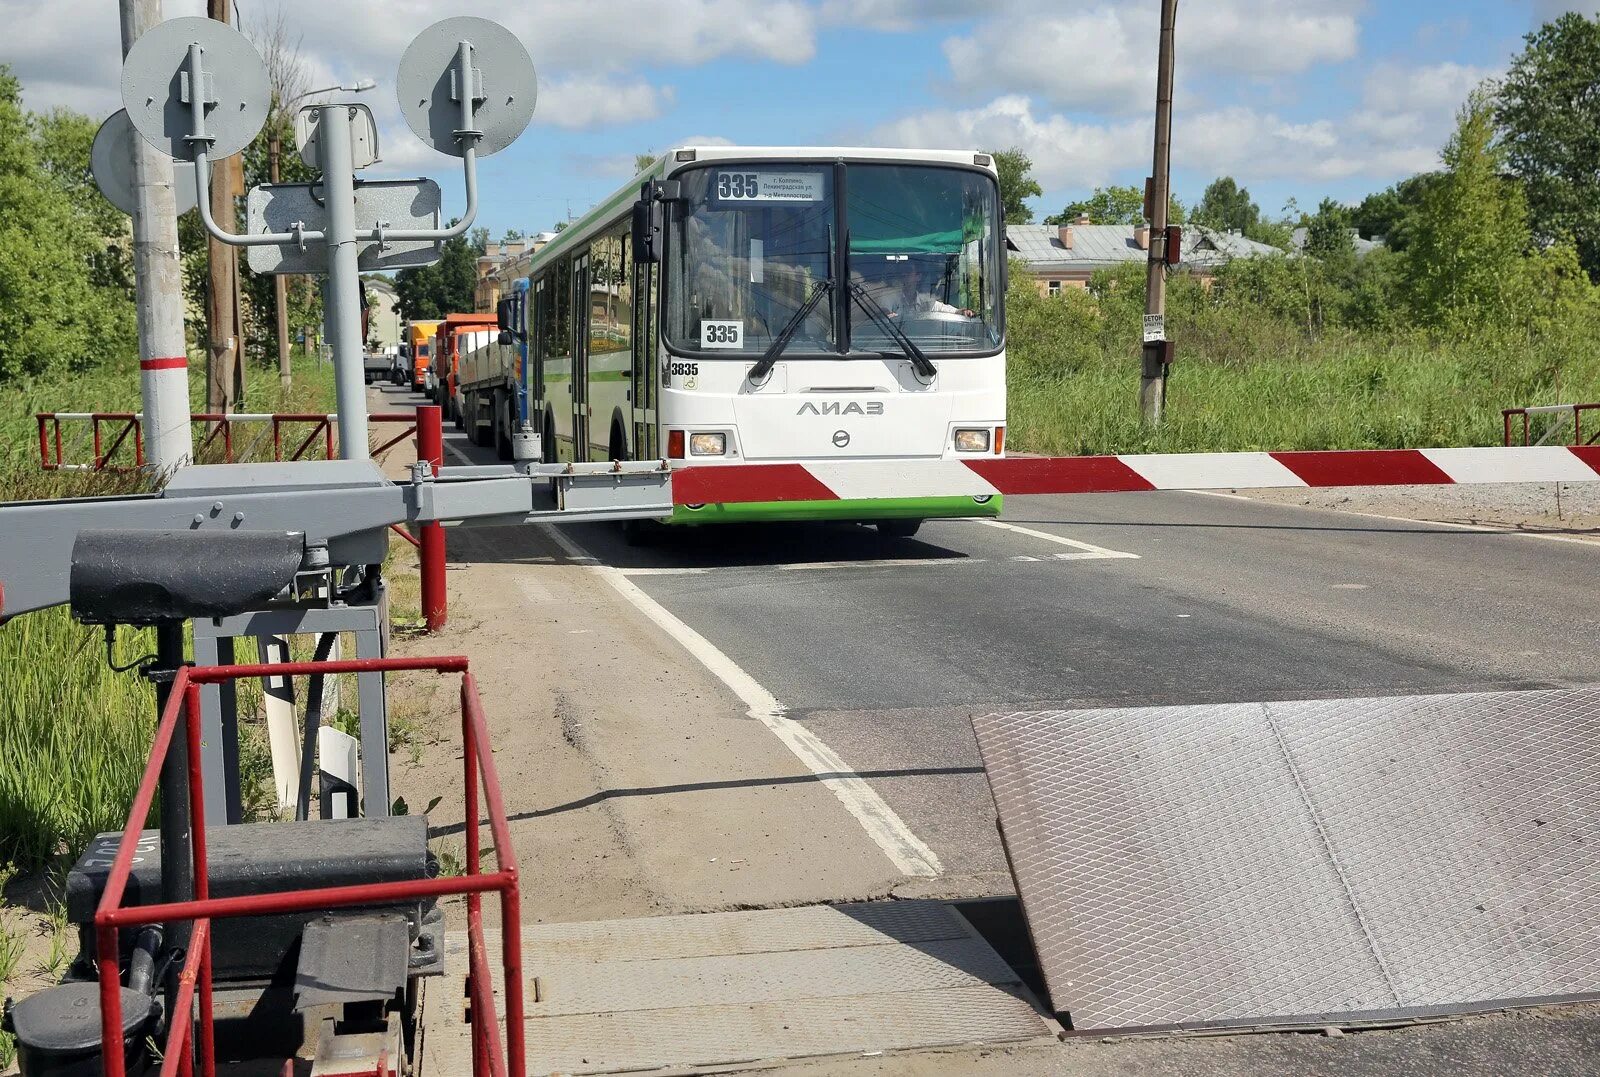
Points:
(156, 68)
(507, 82)
(111, 161)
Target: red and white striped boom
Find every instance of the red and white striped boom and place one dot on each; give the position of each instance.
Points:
(853, 479)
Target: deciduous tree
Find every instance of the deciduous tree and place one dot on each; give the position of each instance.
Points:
(1226, 206)
(1017, 185)
(1549, 111)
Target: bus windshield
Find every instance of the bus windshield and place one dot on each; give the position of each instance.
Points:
(924, 248)
(749, 246)
(752, 242)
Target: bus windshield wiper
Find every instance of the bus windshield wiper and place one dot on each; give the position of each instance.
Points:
(763, 367)
(880, 317)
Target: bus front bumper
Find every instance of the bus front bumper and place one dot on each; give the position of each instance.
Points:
(862, 510)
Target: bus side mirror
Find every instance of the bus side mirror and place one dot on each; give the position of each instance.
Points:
(647, 227)
(502, 315)
(650, 218)
(505, 337)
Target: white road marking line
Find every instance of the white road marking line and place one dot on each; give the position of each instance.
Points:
(665, 571)
(1093, 552)
(903, 848)
(1484, 529)
(884, 562)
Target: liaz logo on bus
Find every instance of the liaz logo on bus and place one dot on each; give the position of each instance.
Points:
(837, 408)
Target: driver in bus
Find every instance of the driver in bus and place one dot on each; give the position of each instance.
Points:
(904, 297)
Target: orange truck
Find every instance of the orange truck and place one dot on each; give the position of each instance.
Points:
(418, 337)
(452, 334)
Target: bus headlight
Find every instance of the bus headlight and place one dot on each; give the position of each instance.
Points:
(972, 441)
(708, 444)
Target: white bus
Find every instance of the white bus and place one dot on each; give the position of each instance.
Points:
(762, 305)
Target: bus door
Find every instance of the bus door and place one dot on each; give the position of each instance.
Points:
(580, 357)
(646, 440)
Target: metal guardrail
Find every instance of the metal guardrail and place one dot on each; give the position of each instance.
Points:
(291, 436)
(190, 1034)
(1562, 410)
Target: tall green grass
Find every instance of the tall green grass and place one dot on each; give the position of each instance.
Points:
(74, 735)
(1245, 380)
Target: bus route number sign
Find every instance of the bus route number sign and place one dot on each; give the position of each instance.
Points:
(769, 186)
(721, 334)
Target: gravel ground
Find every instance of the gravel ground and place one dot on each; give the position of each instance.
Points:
(1556, 508)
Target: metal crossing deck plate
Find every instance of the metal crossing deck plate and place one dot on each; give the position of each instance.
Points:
(724, 989)
(1306, 862)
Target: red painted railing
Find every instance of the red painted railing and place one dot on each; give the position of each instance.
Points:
(1561, 410)
(291, 435)
(189, 1035)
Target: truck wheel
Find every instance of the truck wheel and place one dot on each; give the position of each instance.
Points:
(502, 427)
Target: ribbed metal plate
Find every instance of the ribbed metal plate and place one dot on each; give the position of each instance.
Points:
(1305, 862)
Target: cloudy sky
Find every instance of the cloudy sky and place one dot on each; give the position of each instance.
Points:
(1295, 98)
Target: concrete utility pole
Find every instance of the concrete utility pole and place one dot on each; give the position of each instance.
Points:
(158, 284)
(1157, 353)
(224, 370)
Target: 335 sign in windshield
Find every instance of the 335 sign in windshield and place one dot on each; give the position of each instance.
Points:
(746, 186)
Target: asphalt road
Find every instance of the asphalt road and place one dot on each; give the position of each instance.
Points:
(886, 648)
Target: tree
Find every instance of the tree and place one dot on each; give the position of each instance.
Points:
(449, 286)
(1328, 231)
(1227, 207)
(1113, 205)
(53, 310)
(1390, 214)
(1016, 185)
(63, 139)
(642, 161)
(1463, 267)
(1108, 205)
(1549, 111)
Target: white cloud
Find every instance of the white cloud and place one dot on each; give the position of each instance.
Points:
(586, 101)
(1100, 55)
(901, 14)
(66, 57)
(1079, 60)
(1545, 10)
(1064, 152)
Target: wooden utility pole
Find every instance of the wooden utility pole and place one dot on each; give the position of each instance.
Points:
(224, 329)
(1157, 350)
(280, 291)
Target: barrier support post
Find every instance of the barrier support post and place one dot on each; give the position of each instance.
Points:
(430, 447)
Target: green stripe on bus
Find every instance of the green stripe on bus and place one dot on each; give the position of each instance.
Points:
(892, 508)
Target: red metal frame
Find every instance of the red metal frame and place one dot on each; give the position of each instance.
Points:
(52, 452)
(1526, 414)
(491, 1058)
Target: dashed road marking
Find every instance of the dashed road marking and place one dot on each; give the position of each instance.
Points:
(1090, 551)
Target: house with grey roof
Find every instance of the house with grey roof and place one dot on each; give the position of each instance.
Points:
(1066, 256)
(1362, 247)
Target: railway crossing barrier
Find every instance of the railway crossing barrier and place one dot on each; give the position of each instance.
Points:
(1019, 475)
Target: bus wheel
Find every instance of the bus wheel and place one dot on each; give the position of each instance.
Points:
(898, 528)
(641, 533)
